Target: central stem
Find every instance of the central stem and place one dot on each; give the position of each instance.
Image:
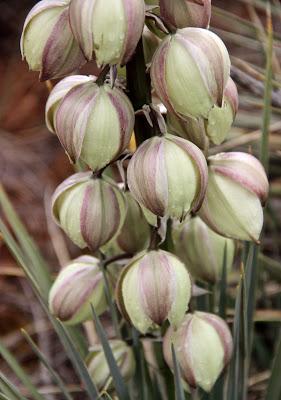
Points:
(139, 87)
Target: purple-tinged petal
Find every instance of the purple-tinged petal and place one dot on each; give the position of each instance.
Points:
(223, 331)
(243, 169)
(100, 222)
(158, 73)
(73, 180)
(156, 286)
(81, 20)
(41, 6)
(200, 162)
(186, 13)
(126, 117)
(215, 67)
(135, 15)
(72, 118)
(62, 303)
(231, 95)
(58, 93)
(144, 170)
(62, 54)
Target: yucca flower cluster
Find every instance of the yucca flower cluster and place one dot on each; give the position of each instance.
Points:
(167, 186)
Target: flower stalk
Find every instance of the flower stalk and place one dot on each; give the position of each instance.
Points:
(139, 91)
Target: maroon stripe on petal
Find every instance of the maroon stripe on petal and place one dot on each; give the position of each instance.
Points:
(126, 119)
(231, 94)
(61, 54)
(80, 17)
(85, 215)
(72, 117)
(135, 16)
(200, 162)
(155, 287)
(40, 7)
(65, 308)
(184, 350)
(166, 12)
(112, 212)
(158, 73)
(73, 180)
(100, 215)
(144, 174)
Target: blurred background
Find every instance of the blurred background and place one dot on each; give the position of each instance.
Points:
(32, 164)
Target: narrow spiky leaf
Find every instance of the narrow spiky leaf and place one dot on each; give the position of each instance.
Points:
(119, 384)
(236, 375)
(9, 389)
(179, 392)
(223, 286)
(47, 364)
(20, 372)
(274, 386)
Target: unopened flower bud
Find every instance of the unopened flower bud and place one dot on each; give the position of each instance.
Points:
(109, 30)
(47, 42)
(94, 123)
(57, 95)
(186, 13)
(202, 250)
(77, 286)
(190, 71)
(154, 287)
(168, 175)
(134, 236)
(189, 129)
(203, 346)
(90, 210)
(98, 367)
(237, 189)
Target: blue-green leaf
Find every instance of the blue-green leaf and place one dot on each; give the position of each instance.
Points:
(118, 381)
(237, 369)
(9, 389)
(179, 392)
(46, 363)
(274, 386)
(20, 373)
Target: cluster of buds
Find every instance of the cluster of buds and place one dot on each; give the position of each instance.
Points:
(203, 346)
(153, 287)
(77, 286)
(202, 250)
(167, 178)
